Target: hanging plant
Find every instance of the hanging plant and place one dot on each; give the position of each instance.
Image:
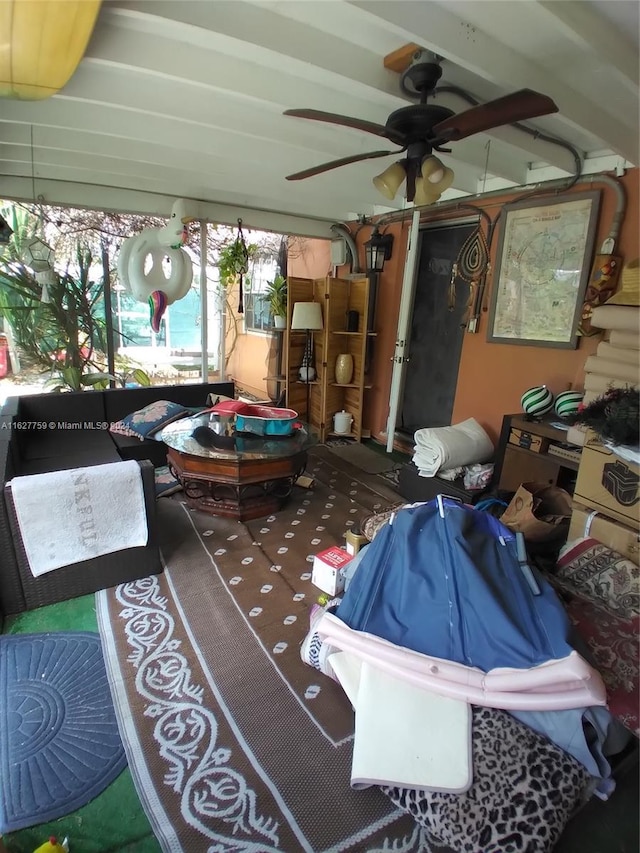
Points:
(233, 263)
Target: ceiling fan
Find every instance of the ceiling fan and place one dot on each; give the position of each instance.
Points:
(419, 129)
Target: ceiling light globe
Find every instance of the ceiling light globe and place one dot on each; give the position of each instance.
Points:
(425, 193)
(389, 181)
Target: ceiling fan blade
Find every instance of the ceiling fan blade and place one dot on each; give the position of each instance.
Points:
(343, 161)
(518, 106)
(349, 121)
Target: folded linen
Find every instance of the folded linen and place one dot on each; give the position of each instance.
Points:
(612, 369)
(69, 516)
(628, 340)
(610, 353)
(450, 447)
(620, 318)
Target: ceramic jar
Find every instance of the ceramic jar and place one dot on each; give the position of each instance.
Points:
(344, 368)
(342, 422)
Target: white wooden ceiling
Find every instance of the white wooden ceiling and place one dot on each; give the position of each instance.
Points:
(185, 99)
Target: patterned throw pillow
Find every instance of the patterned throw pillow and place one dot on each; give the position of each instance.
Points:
(373, 523)
(602, 575)
(166, 483)
(145, 423)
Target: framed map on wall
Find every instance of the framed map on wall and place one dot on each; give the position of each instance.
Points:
(542, 270)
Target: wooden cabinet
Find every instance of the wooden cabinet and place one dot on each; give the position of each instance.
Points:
(327, 396)
(534, 451)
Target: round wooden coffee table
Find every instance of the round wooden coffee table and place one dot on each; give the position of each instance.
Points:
(236, 475)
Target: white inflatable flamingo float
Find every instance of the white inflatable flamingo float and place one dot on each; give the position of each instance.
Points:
(154, 286)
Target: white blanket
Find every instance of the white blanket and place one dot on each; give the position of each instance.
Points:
(450, 447)
(69, 516)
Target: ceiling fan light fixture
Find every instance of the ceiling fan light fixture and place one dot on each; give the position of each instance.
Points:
(425, 193)
(388, 182)
(436, 178)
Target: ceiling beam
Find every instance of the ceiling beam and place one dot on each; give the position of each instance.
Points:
(581, 24)
(443, 32)
(123, 200)
(257, 35)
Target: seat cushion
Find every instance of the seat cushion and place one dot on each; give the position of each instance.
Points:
(50, 443)
(130, 447)
(122, 401)
(76, 459)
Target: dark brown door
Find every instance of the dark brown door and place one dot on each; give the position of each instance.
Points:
(437, 332)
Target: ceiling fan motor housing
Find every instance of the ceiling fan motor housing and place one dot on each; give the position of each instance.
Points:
(415, 121)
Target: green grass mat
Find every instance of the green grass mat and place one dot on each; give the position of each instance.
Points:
(114, 821)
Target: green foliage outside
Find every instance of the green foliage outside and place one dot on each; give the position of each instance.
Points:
(65, 335)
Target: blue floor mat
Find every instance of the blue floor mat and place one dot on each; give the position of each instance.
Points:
(59, 741)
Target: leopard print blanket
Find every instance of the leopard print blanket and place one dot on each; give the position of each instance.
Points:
(524, 791)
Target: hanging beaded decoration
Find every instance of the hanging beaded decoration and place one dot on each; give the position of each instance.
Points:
(471, 265)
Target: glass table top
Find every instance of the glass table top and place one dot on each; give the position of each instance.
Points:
(213, 435)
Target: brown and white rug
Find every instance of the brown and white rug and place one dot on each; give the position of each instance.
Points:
(234, 744)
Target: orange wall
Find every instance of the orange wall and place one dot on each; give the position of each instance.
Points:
(492, 376)
(248, 363)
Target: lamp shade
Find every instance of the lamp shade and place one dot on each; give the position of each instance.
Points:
(425, 193)
(307, 315)
(388, 182)
(436, 178)
(43, 42)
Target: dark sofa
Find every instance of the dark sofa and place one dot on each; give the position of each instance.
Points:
(40, 433)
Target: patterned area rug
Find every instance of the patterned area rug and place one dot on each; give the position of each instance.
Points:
(234, 743)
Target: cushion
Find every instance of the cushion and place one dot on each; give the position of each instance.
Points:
(146, 422)
(602, 575)
(166, 483)
(373, 523)
(524, 790)
(613, 642)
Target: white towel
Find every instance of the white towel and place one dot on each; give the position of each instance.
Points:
(450, 447)
(69, 516)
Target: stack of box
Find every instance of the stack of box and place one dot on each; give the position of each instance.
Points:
(606, 502)
(606, 498)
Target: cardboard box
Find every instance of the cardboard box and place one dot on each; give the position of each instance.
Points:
(608, 483)
(328, 569)
(528, 440)
(618, 537)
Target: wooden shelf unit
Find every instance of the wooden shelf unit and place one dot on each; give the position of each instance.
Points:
(337, 296)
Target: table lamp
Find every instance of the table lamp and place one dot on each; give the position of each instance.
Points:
(307, 317)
